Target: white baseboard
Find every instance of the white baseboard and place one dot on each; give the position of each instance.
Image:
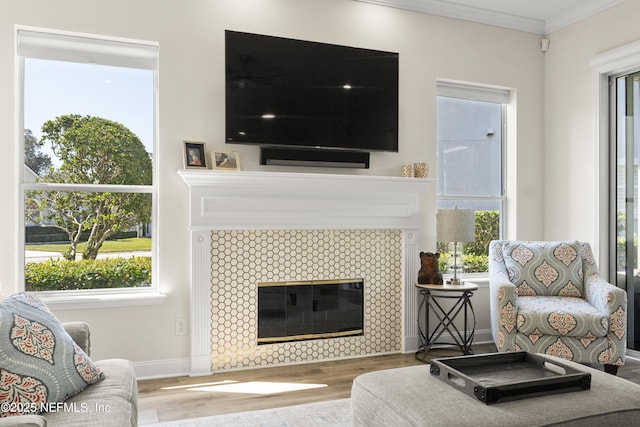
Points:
(481, 336)
(182, 367)
(162, 368)
(411, 344)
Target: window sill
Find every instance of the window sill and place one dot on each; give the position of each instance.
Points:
(480, 279)
(83, 300)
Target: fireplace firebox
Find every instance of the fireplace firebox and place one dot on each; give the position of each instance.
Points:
(304, 310)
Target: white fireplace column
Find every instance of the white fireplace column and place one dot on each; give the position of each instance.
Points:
(200, 302)
(411, 265)
(270, 200)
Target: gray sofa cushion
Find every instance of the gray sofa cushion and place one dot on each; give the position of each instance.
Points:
(111, 402)
(24, 421)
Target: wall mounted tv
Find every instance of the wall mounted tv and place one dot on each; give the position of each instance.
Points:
(294, 93)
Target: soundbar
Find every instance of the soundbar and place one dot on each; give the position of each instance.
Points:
(275, 156)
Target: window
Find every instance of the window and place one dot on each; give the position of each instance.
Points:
(88, 108)
(617, 106)
(625, 185)
(470, 153)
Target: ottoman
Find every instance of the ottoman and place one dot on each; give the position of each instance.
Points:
(412, 397)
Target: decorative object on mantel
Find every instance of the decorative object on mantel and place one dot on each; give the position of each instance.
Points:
(420, 170)
(194, 155)
(456, 225)
(225, 160)
(429, 273)
(407, 171)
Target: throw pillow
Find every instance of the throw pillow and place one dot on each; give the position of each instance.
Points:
(545, 268)
(39, 362)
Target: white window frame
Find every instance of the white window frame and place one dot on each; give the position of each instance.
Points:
(42, 43)
(621, 60)
(502, 96)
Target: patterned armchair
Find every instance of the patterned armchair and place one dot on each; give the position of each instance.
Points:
(549, 297)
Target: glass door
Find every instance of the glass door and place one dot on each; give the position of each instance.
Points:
(627, 197)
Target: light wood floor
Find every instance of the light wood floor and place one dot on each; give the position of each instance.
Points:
(171, 399)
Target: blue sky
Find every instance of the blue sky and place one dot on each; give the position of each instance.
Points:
(54, 88)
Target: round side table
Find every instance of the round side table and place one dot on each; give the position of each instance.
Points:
(433, 297)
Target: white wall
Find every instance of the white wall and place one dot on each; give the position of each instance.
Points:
(570, 196)
(191, 38)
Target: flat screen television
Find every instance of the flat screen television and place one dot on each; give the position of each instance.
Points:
(294, 93)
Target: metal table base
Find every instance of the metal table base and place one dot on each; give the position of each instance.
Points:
(433, 297)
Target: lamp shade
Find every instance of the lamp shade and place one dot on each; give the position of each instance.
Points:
(456, 225)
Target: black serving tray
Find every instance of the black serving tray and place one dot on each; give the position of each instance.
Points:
(502, 377)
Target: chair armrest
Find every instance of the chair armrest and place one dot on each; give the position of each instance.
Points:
(503, 300)
(612, 302)
(23, 421)
(604, 296)
(80, 334)
(504, 312)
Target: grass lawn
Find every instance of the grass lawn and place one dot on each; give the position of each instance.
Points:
(121, 245)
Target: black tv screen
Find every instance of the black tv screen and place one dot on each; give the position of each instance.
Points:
(285, 92)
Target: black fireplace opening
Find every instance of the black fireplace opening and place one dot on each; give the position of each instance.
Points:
(292, 311)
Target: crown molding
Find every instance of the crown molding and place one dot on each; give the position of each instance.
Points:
(465, 13)
(578, 14)
(499, 19)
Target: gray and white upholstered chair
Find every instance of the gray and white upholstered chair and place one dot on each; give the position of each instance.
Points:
(549, 297)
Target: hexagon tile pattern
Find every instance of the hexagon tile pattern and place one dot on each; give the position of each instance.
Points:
(243, 258)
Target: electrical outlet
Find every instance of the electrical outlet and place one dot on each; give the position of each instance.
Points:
(181, 326)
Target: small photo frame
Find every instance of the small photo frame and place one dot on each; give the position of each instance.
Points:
(225, 160)
(194, 155)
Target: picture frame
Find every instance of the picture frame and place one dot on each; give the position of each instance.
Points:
(194, 155)
(225, 160)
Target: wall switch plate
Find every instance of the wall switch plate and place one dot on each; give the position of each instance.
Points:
(181, 326)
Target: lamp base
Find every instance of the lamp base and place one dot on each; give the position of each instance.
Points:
(453, 282)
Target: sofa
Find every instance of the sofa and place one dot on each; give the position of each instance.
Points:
(110, 399)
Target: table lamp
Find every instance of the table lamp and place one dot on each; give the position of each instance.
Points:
(456, 225)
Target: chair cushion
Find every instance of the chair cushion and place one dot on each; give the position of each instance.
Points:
(39, 362)
(545, 268)
(565, 316)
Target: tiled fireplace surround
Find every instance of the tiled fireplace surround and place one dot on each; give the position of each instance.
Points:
(250, 227)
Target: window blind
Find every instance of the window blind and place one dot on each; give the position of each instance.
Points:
(87, 49)
(478, 93)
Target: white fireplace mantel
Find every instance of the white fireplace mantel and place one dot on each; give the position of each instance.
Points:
(272, 200)
(276, 200)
